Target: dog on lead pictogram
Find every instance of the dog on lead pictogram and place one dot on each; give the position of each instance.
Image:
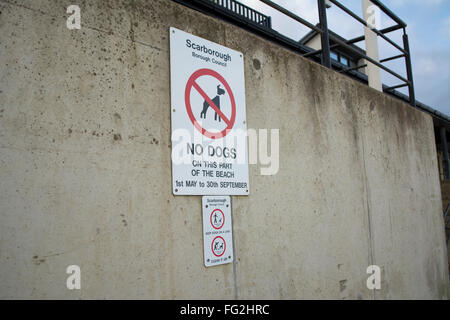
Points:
(217, 219)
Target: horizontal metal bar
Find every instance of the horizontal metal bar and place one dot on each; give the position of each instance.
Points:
(393, 58)
(391, 28)
(312, 53)
(385, 30)
(396, 87)
(355, 40)
(353, 68)
(315, 52)
(291, 15)
(389, 40)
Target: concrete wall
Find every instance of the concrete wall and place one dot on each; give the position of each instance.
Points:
(85, 169)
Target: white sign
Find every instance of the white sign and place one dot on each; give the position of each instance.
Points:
(209, 142)
(217, 230)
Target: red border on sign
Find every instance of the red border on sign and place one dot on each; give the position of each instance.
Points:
(224, 246)
(187, 98)
(223, 219)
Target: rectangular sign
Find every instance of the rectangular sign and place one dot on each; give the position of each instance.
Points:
(217, 230)
(209, 130)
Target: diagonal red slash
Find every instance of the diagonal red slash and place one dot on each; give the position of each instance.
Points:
(212, 104)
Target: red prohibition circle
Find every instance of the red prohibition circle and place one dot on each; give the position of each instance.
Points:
(224, 246)
(223, 219)
(187, 98)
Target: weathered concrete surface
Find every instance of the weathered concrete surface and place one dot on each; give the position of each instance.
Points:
(85, 169)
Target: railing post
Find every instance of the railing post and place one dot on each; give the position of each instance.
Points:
(412, 95)
(326, 59)
(445, 162)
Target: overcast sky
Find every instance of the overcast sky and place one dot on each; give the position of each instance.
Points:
(428, 29)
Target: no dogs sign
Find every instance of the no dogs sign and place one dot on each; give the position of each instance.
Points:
(209, 131)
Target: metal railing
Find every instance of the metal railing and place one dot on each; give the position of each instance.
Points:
(256, 21)
(245, 12)
(326, 36)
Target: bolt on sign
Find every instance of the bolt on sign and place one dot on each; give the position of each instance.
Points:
(209, 131)
(217, 230)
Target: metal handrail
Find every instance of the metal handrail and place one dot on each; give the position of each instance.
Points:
(392, 58)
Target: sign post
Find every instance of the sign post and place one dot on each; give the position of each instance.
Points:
(209, 131)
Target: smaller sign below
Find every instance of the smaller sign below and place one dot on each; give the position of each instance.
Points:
(208, 112)
(217, 230)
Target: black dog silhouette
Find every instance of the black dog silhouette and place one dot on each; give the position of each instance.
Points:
(216, 101)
